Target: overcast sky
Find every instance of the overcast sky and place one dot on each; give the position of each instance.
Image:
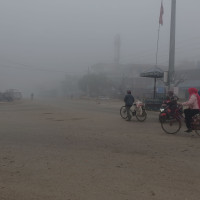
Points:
(70, 35)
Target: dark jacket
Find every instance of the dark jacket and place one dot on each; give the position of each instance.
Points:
(129, 100)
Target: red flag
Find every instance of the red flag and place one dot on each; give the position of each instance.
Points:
(161, 14)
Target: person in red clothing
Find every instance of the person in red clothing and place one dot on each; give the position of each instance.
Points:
(194, 106)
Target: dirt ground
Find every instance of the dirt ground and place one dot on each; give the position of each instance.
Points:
(83, 150)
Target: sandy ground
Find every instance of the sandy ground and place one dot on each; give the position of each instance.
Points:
(83, 150)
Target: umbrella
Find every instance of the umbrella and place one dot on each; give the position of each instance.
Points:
(155, 73)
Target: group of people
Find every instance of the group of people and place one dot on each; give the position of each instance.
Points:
(193, 105)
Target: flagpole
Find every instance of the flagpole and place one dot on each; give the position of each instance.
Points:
(160, 23)
(157, 45)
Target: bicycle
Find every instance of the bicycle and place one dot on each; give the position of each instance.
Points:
(138, 110)
(171, 121)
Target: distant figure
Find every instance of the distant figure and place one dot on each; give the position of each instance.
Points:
(32, 96)
(199, 92)
(129, 100)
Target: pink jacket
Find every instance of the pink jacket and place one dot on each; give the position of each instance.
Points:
(192, 102)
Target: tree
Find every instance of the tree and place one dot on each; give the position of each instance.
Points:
(95, 84)
(69, 85)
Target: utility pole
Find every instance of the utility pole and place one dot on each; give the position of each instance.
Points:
(117, 45)
(172, 45)
(88, 88)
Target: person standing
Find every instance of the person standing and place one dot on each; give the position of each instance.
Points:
(194, 106)
(32, 96)
(129, 100)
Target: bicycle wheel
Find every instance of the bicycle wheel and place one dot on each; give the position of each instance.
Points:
(171, 126)
(196, 128)
(196, 124)
(123, 112)
(197, 131)
(141, 117)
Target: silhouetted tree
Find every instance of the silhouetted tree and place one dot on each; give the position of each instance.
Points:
(94, 84)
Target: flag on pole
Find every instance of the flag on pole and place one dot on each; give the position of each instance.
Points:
(161, 14)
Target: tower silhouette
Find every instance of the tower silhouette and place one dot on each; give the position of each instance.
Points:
(117, 45)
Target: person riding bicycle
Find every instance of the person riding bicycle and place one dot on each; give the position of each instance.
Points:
(194, 106)
(129, 100)
(171, 101)
(171, 96)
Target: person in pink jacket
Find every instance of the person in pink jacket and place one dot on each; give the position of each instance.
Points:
(194, 105)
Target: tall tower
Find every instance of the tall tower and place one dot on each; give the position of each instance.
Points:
(117, 44)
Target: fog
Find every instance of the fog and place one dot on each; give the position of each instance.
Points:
(43, 40)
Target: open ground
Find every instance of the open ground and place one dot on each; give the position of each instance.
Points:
(84, 150)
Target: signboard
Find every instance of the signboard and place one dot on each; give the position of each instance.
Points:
(165, 77)
(176, 90)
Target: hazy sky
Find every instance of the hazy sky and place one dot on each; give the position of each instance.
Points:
(68, 35)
